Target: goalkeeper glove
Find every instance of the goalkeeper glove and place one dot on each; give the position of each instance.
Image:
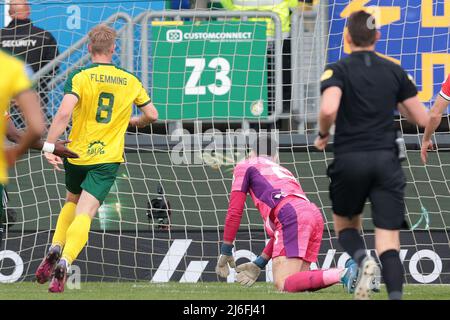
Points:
(225, 261)
(248, 273)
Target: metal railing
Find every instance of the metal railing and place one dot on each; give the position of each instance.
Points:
(308, 59)
(126, 35)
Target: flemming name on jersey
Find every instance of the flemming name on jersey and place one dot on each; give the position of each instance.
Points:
(104, 78)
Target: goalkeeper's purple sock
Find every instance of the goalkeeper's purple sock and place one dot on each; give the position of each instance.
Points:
(312, 280)
(353, 244)
(392, 272)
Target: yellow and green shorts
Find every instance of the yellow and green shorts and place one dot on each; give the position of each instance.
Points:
(96, 179)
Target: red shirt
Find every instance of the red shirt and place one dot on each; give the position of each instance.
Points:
(445, 91)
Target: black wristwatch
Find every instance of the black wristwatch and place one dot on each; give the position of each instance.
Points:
(323, 136)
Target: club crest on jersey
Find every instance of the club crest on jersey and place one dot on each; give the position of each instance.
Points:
(96, 148)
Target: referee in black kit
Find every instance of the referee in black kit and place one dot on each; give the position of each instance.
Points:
(360, 94)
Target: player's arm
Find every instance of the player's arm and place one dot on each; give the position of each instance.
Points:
(149, 115)
(331, 87)
(408, 101)
(148, 110)
(239, 190)
(14, 135)
(29, 104)
(329, 106)
(440, 105)
(232, 223)
(248, 273)
(234, 216)
(414, 111)
(59, 125)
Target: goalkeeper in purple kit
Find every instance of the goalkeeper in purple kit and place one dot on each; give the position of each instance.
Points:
(294, 224)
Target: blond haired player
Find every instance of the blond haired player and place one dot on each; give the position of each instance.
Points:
(15, 84)
(100, 100)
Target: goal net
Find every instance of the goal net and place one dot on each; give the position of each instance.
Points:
(216, 81)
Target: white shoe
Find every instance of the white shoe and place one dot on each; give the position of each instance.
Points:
(369, 273)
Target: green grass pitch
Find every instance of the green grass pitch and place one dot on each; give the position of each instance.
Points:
(200, 291)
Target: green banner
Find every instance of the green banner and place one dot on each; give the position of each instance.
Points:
(210, 70)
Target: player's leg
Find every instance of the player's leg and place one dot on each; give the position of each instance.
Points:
(352, 242)
(348, 231)
(351, 181)
(96, 186)
(65, 218)
(283, 268)
(77, 234)
(76, 238)
(349, 189)
(388, 209)
(387, 243)
(299, 234)
(74, 177)
(293, 275)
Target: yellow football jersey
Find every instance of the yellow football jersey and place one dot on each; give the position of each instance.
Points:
(13, 80)
(106, 94)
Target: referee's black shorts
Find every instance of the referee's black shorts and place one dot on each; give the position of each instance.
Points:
(375, 175)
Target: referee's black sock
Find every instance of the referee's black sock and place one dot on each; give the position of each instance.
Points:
(353, 244)
(392, 272)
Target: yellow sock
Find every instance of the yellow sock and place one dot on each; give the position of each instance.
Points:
(77, 237)
(65, 218)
